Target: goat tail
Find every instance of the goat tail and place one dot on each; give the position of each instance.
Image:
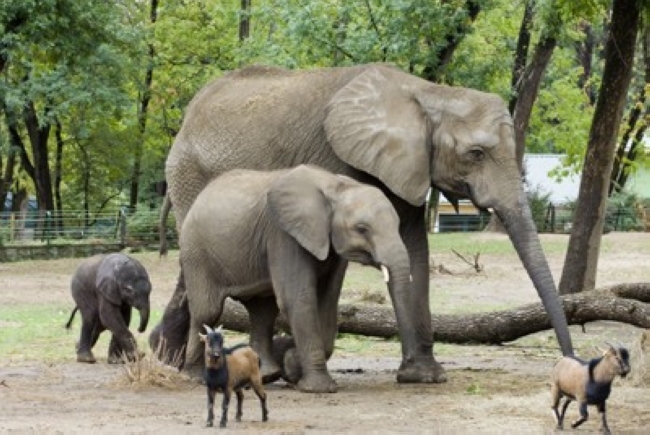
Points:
(69, 324)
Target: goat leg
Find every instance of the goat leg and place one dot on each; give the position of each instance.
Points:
(584, 415)
(560, 418)
(211, 394)
(240, 401)
(603, 416)
(224, 407)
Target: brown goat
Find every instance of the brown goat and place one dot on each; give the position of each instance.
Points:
(587, 382)
(228, 370)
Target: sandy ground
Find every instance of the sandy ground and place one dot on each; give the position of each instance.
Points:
(491, 389)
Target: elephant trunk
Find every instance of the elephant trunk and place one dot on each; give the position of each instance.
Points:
(144, 318)
(396, 268)
(520, 226)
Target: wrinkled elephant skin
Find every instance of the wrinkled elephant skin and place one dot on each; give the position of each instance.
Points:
(380, 126)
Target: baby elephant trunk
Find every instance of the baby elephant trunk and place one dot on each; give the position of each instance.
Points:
(144, 318)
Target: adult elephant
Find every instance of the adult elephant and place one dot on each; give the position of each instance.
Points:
(378, 125)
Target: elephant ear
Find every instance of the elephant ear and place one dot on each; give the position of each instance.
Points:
(106, 280)
(298, 204)
(376, 125)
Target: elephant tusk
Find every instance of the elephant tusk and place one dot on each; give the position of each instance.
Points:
(491, 210)
(384, 269)
(410, 278)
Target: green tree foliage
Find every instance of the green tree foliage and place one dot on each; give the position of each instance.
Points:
(81, 65)
(65, 61)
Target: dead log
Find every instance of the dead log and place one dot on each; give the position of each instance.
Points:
(626, 303)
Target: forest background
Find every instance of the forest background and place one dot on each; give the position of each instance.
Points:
(93, 93)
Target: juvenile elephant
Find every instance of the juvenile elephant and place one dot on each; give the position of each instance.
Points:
(104, 288)
(378, 125)
(282, 236)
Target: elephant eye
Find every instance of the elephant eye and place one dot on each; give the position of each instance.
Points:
(477, 154)
(361, 229)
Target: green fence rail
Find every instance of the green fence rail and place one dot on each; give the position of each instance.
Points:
(120, 226)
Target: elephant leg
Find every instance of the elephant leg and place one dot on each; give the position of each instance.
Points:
(168, 340)
(205, 307)
(329, 292)
(418, 363)
(122, 341)
(295, 283)
(262, 312)
(89, 335)
(116, 351)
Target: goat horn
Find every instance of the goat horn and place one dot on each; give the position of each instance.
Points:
(207, 328)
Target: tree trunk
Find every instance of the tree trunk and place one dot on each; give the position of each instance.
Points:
(58, 175)
(142, 115)
(581, 261)
(431, 71)
(625, 154)
(38, 137)
(521, 53)
(585, 54)
(525, 96)
(627, 303)
(245, 20)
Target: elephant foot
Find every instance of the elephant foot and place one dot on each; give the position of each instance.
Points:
(86, 357)
(317, 383)
(421, 371)
(291, 370)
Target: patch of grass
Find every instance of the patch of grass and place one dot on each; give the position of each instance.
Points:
(488, 243)
(474, 390)
(37, 333)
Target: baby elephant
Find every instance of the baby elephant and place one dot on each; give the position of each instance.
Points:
(228, 370)
(104, 288)
(587, 382)
(282, 240)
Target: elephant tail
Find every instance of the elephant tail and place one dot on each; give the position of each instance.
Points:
(162, 226)
(67, 325)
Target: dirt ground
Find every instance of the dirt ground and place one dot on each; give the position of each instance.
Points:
(491, 389)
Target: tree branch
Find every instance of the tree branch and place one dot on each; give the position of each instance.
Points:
(626, 303)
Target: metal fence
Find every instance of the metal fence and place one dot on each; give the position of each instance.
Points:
(553, 220)
(141, 228)
(127, 228)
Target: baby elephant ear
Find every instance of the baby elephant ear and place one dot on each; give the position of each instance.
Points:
(299, 205)
(106, 280)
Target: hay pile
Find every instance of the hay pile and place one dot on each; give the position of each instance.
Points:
(149, 371)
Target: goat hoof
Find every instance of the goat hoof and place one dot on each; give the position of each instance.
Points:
(427, 371)
(208, 424)
(86, 357)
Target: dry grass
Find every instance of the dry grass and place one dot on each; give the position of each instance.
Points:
(149, 371)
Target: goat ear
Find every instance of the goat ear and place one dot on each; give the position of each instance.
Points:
(207, 328)
(219, 329)
(610, 349)
(202, 337)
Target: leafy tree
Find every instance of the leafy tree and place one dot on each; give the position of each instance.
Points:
(58, 55)
(579, 271)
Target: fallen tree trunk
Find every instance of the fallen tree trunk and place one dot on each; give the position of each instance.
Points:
(626, 303)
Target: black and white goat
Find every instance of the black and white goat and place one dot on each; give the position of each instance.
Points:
(228, 370)
(587, 382)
